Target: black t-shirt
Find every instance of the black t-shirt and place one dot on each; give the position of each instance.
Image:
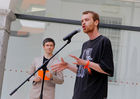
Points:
(44, 60)
(94, 85)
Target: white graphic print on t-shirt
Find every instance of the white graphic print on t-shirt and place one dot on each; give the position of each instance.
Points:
(86, 56)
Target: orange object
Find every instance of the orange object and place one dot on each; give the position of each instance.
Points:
(87, 67)
(40, 74)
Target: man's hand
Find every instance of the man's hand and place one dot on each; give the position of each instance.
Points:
(78, 60)
(37, 79)
(60, 67)
(48, 74)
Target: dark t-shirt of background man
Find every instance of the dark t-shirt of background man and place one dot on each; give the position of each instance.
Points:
(94, 85)
(44, 61)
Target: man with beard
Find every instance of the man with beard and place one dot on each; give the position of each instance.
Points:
(95, 63)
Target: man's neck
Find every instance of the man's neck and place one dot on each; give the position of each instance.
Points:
(93, 35)
(48, 56)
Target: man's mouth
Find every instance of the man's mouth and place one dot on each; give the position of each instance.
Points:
(83, 27)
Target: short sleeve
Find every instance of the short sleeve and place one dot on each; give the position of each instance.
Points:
(106, 60)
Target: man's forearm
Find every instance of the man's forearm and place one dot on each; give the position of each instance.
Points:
(72, 68)
(96, 67)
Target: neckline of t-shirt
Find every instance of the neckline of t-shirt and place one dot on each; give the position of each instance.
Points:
(96, 38)
(45, 58)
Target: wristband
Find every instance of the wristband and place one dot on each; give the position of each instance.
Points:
(88, 62)
(87, 67)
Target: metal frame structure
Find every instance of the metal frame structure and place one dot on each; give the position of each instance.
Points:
(75, 22)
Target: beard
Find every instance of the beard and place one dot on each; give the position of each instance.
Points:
(88, 30)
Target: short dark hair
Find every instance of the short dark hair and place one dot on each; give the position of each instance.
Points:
(95, 16)
(48, 40)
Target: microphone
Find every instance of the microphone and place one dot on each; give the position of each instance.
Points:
(69, 36)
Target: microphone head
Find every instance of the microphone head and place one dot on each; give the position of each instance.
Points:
(78, 30)
(69, 36)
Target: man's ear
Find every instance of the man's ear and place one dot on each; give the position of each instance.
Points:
(96, 22)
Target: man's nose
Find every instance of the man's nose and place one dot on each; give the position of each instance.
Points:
(83, 23)
(50, 46)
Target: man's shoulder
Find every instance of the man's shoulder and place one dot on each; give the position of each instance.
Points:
(41, 57)
(105, 39)
(86, 42)
(100, 38)
(55, 58)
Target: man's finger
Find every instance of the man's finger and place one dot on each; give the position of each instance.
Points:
(54, 65)
(62, 60)
(75, 63)
(60, 69)
(74, 57)
(54, 69)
